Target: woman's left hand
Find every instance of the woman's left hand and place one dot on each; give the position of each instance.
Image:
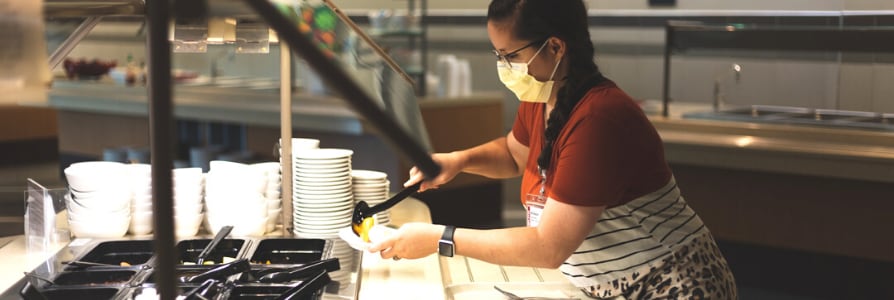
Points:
(412, 240)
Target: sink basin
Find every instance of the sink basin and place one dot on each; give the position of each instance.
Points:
(800, 116)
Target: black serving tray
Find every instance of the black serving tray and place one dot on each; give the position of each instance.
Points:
(125, 282)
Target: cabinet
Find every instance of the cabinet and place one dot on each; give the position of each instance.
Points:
(403, 34)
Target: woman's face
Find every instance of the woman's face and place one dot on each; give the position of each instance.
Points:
(508, 46)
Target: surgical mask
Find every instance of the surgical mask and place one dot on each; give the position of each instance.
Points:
(526, 87)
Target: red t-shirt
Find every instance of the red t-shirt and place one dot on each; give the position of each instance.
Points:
(607, 154)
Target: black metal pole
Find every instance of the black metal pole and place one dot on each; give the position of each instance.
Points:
(346, 86)
(665, 91)
(161, 122)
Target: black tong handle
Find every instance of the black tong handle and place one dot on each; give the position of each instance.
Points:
(363, 211)
(307, 288)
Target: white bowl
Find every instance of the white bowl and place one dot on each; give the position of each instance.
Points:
(302, 143)
(273, 195)
(187, 225)
(188, 209)
(273, 204)
(228, 182)
(103, 228)
(77, 206)
(269, 168)
(141, 223)
(241, 226)
(237, 199)
(273, 218)
(95, 175)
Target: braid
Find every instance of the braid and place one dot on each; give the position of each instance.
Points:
(580, 77)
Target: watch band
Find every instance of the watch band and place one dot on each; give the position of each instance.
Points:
(446, 246)
(448, 233)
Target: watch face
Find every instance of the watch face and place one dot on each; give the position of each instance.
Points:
(445, 249)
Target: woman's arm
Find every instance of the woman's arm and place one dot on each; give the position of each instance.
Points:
(503, 157)
(561, 230)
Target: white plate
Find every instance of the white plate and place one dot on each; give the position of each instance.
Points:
(361, 190)
(337, 191)
(338, 198)
(322, 168)
(320, 165)
(378, 232)
(368, 175)
(317, 161)
(321, 184)
(313, 180)
(310, 210)
(323, 153)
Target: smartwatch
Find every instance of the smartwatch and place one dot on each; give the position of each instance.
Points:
(445, 245)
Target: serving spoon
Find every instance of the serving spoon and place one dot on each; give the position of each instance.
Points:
(363, 212)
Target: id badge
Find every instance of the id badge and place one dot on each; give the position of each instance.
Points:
(534, 204)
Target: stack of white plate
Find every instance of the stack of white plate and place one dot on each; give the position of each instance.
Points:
(100, 199)
(372, 187)
(273, 192)
(322, 199)
(347, 258)
(234, 195)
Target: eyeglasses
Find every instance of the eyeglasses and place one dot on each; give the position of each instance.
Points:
(512, 54)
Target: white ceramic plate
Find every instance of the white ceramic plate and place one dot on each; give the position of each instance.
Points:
(313, 179)
(322, 153)
(378, 232)
(368, 175)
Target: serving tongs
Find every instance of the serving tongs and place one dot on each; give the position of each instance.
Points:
(306, 288)
(326, 265)
(207, 290)
(223, 233)
(362, 211)
(220, 272)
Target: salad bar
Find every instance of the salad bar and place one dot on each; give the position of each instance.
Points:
(237, 268)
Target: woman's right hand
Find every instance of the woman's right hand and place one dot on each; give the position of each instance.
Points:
(451, 164)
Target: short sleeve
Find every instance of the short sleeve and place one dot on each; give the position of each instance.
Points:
(522, 121)
(590, 167)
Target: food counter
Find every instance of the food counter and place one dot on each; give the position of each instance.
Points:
(431, 277)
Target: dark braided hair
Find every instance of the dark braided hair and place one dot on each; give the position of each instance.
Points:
(566, 20)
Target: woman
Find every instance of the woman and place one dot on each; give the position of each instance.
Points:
(603, 206)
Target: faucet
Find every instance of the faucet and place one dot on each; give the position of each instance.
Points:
(719, 95)
(216, 70)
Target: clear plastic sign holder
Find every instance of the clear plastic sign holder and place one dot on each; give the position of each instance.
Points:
(45, 233)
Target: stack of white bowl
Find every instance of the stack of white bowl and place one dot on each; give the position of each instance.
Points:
(99, 203)
(141, 203)
(322, 199)
(188, 194)
(234, 195)
(272, 192)
(372, 187)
